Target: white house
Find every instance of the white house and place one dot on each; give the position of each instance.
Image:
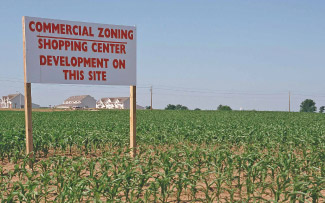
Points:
(115, 103)
(14, 101)
(81, 101)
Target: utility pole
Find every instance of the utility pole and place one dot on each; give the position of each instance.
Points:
(151, 98)
(289, 101)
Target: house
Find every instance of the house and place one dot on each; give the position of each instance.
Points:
(115, 103)
(81, 101)
(14, 101)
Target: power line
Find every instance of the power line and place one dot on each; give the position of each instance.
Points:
(168, 88)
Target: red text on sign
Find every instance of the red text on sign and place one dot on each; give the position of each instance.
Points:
(73, 74)
(49, 60)
(97, 75)
(60, 28)
(108, 48)
(62, 45)
(119, 64)
(115, 33)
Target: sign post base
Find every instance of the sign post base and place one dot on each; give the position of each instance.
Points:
(28, 120)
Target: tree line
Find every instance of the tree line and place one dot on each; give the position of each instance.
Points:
(307, 105)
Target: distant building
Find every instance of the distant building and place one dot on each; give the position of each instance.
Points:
(81, 101)
(14, 101)
(115, 103)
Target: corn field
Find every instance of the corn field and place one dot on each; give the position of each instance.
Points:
(183, 156)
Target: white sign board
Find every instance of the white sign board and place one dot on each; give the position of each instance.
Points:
(69, 52)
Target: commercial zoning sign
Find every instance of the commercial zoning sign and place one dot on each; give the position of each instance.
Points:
(68, 52)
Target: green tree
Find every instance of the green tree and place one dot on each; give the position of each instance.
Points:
(197, 109)
(170, 107)
(176, 107)
(224, 108)
(322, 109)
(148, 107)
(181, 107)
(308, 106)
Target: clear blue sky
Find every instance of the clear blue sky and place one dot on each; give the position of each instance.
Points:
(245, 54)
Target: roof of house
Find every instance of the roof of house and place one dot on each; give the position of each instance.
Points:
(114, 99)
(10, 96)
(104, 100)
(76, 98)
(121, 99)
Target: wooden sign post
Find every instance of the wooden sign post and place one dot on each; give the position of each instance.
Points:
(28, 120)
(28, 103)
(133, 126)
